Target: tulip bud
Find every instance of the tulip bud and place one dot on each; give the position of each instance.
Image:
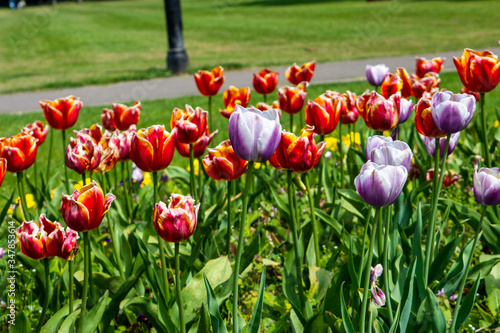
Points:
(61, 113)
(296, 74)
(209, 83)
(254, 134)
(380, 185)
(478, 71)
(424, 66)
(152, 148)
(375, 74)
(84, 210)
(265, 81)
(234, 96)
(487, 186)
(177, 222)
(222, 163)
(291, 99)
(126, 116)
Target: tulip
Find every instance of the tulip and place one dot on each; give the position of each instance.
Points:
(405, 109)
(234, 96)
(152, 148)
(452, 112)
(199, 146)
(37, 130)
(376, 74)
(448, 179)
(177, 222)
(209, 83)
(479, 71)
(296, 74)
(297, 154)
(125, 116)
(352, 114)
(222, 163)
(124, 140)
(254, 134)
(61, 113)
(392, 153)
(84, 210)
(291, 99)
(339, 101)
(374, 142)
(380, 185)
(464, 90)
(57, 241)
(322, 115)
(19, 151)
(487, 186)
(83, 154)
(190, 124)
(95, 132)
(3, 169)
(430, 145)
(108, 120)
(429, 83)
(424, 66)
(424, 121)
(399, 82)
(263, 106)
(265, 81)
(31, 238)
(381, 114)
(110, 152)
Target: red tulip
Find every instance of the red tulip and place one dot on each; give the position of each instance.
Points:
(234, 96)
(479, 71)
(396, 82)
(222, 163)
(108, 119)
(190, 124)
(19, 151)
(177, 222)
(124, 140)
(126, 116)
(61, 113)
(423, 120)
(298, 154)
(338, 100)
(381, 114)
(296, 74)
(352, 113)
(209, 83)
(37, 130)
(447, 179)
(95, 132)
(199, 146)
(84, 210)
(58, 242)
(265, 81)
(291, 99)
(110, 152)
(424, 66)
(31, 238)
(152, 148)
(3, 168)
(83, 154)
(428, 83)
(322, 115)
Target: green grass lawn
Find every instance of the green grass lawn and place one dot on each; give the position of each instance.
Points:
(75, 44)
(159, 112)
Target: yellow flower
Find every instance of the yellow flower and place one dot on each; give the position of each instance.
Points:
(30, 202)
(79, 185)
(496, 123)
(52, 193)
(386, 133)
(331, 143)
(196, 165)
(147, 180)
(257, 165)
(355, 137)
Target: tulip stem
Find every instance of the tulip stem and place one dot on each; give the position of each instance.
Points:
(341, 152)
(22, 195)
(320, 175)
(239, 251)
(49, 157)
(164, 275)
(385, 272)
(191, 166)
(291, 122)
(230, 186)
(86, 264)
(313, 219)
(485, 131)
(200, 178)
(431, 235)
(210, 113)
(265, 98)
(467, 268)
(293, 226)
(47, 294)
(366, 285)
(66, 178)
(125, 191)
(178, 288)
(70, 286)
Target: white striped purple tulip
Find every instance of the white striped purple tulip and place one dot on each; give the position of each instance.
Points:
(452, 112)
(405, 109)
(376, 74)
(487, 186)
(254, 134)
(430, 144)
(375, 141)
(380, 185)
(393, 153)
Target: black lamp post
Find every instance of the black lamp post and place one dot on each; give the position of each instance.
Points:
(177, 59)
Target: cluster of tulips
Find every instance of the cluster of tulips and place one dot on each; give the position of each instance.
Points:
(256, 136)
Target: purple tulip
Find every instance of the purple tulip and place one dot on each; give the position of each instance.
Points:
(375, 273)
(452, 112)
(2, 252)
(375, 141)
(487, 186)
(405, 109)
(380, 185)
(254, 134)
(393, 153)
(430, 144)
(376, 74)
(378, 296)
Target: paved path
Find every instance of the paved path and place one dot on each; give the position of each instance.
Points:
(184, 85)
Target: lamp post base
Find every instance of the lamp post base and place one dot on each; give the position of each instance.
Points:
(177, 61)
